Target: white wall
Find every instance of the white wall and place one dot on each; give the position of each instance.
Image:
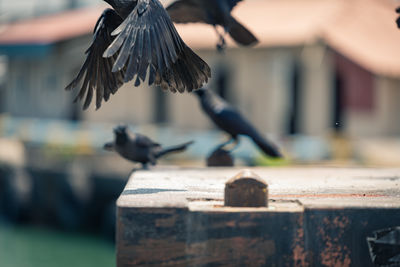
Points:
(258, 89)
(383, 120)
(317, 90)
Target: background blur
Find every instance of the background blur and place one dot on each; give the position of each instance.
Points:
(323, 83)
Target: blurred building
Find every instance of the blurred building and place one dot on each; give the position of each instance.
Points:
(321, 65)
(11, 10)
(3, 65)
(42, 55)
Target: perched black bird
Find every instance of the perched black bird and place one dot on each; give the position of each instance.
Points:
(398, 19)
(231, 121)
(139, 148)
(133, 38)
(214, 12)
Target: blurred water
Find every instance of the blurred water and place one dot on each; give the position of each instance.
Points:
(28, 246)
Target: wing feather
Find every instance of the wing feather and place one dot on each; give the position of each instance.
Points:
(147, 42)
(124, 51)
(95, 73)
(145, 55)
(161, 51)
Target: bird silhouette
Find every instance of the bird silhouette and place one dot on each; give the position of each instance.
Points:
(228, 119)
(213, 12)
(140, 148)
(133, 41)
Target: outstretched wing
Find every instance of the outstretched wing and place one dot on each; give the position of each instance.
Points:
(96, 75)
(185, 11)
(147, 41)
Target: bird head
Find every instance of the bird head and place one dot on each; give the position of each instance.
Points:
(108, 146)
(121, 136)
(120, 130)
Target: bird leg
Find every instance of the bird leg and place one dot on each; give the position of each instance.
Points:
(221, 45)
(232, 139)
(226, 143)
(236, 141)
(145, 166)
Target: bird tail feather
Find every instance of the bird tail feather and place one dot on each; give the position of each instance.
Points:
(177, 148)
(240, 34)
(188, 73)
(266, 146)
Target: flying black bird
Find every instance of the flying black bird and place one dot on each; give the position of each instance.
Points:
(140, 148)
(398, 19)
(214, 12)
(231, 121)
(134, 38)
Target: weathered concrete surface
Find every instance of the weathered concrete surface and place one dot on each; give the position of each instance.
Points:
(315, 217)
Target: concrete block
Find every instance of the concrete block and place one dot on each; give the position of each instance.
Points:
(315, 217)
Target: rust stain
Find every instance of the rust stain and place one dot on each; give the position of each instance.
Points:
(166, 222)
(299, 254)
(340, 222)
(230, 223)
(235, 251)
(150, 251)
(247, 224)
(243, 220)
(326, 195)
(334, 254)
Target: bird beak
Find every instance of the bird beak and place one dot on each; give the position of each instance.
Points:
(108, 146)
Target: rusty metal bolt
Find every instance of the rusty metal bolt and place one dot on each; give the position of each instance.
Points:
(246, 189)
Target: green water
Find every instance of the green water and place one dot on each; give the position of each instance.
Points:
(26, 246)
